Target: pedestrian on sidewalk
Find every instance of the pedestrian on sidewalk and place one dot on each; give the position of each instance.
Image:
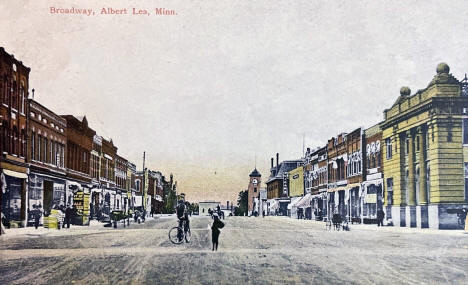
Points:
(217, 224)
(37, 213)
(380, 217)
(68, 215)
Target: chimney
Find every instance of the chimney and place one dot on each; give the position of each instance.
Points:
(277, 159)
(272, 161)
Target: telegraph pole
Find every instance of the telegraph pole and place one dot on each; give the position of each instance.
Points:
(143, 186)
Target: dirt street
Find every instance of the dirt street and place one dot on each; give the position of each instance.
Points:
(271, 250)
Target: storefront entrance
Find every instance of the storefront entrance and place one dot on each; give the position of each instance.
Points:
(48, 196)
(12, 201)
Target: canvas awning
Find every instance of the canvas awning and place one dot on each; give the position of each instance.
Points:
(305, 201)
(294, 201)
(274, 205)
(15, 174)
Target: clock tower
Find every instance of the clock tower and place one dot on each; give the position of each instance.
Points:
(254, 191)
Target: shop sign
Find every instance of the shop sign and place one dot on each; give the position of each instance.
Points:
(374, 176)
(370, 198)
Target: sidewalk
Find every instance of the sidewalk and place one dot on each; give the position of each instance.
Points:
(374, 227)
(94, 225)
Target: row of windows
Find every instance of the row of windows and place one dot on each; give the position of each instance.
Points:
(373, 160)
(354, 168)
(14, 141)
(94, 166)
(77, 158)
(107, 169)
(47, 151)
(8, 91)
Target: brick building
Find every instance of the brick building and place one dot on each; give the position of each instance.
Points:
(14, 86)
(355, 172)
(372, 187)
(278, 185)
(95, 168)
(255, 181)
(78, 154)
(131, 185)
(121, 181)
(111, 199)
(47, 143)
(316, 180)
(337, 180)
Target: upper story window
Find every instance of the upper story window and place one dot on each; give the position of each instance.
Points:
(465, 131)
(22, 98)
(388, 143)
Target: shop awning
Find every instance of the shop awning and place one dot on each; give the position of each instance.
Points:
(274, 205)
(15, 174)
(305, 201)
(294, 201)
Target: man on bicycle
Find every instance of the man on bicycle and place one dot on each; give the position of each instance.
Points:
(182, 215)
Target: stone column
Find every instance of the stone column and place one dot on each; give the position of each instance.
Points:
(411, 185)
(422, 167)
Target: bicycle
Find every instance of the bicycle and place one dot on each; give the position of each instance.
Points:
(178, 234)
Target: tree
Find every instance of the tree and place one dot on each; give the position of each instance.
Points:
(193, 207)
(242, 203)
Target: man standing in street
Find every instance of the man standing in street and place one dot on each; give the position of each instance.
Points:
(68, 215)
(380, 217)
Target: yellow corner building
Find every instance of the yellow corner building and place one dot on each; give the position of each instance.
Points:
(425, 146)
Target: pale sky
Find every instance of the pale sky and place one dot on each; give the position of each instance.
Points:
(208, 89)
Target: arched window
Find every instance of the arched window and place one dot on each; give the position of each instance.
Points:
(15, 145)
(33, 141)
(22, 98)
(23, 143)
(14, 97)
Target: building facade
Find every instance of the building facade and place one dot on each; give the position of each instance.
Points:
(14, 86)
(78, 154)
(337, 178)
(424, 154)
(47, 145)
(372, 187)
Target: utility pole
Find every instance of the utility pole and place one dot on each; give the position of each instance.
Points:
(143, 185)
(303, 145)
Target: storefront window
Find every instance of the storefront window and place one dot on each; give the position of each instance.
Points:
(390, 191)
(466, 181)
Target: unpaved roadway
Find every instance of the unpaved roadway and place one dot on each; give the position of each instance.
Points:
(271, 250)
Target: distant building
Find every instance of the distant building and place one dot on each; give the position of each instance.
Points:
(254, 191)
(205, 205)
(278, 184)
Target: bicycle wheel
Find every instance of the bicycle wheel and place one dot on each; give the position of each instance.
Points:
(188, 235)
(176, 235)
